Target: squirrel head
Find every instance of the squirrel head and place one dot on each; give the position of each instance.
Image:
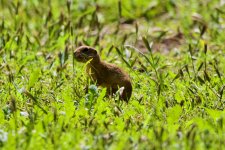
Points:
(86, 53)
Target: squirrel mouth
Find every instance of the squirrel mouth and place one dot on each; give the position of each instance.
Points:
(80, 58)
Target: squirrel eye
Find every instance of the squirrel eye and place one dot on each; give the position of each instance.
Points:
(85, 50)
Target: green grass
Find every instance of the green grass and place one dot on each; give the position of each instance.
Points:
(177, 100)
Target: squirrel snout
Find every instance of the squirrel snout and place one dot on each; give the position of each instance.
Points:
(76, 54)
(79, 56)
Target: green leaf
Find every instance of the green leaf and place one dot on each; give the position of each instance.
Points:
(215, 114)
(173, 114)
(147, 44)
(34, 76)
(102, 95)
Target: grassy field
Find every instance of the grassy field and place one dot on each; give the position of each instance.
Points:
(174, 52)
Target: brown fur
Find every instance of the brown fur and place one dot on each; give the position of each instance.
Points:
(104, 74)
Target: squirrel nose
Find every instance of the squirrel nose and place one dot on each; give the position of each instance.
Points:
(75, 54)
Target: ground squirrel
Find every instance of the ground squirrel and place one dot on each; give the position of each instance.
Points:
(105, 74)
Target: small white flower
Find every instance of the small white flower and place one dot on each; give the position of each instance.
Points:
(3, 136)
(24, 113)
